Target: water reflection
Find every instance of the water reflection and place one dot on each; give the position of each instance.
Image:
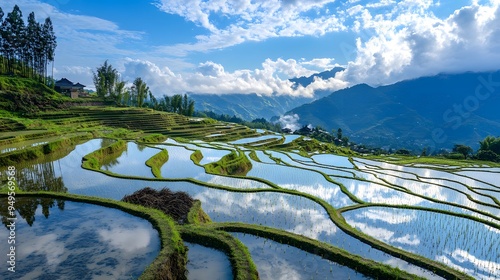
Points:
(278, 261)
(467, 245)
(27, 208)
(83, 239)
(204, 263)
(132, 161)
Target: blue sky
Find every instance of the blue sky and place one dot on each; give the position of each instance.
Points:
(247, 46)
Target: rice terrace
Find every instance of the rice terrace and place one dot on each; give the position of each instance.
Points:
(384, 164)
(273, 205)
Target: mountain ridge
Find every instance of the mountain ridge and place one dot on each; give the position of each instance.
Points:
(435, 112)
(252, 106)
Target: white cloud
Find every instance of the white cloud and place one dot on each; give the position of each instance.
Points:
(290, 122)
(250, 21)
(210, 77)
(411, 41)
(321, 63)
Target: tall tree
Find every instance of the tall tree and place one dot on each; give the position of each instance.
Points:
(50, 44)
(153, 102)
(190, 111)
(120, 92)
(168, 105)
(13, 35)
(32, 44)
(2, 60)
(142, 91)
(104, 80)
(185, 105)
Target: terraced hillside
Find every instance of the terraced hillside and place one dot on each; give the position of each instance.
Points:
(147, 121)
(278, 205)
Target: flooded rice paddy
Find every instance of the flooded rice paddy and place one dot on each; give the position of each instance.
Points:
(450, 236)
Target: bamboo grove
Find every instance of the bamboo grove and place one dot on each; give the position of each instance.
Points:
(26, 49)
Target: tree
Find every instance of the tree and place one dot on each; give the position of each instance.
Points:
(33, 46)
(184, 105)
(167, 106)
(190, 111)
(13, 37)
(104, 80)
(339, 133)
(462, 149)
(153, 102)
(490, 143)
(119, 92)
(2, 60)
(176, 103)
(50, 44)
(142, 91)
(126, 97)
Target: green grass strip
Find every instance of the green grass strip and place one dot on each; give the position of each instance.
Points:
(97, 158)
(420, 208)
(238, 254)
(196, 215)
(157, 161)
(235, 163)
(365, 266)
(32, 153)
(170, 262)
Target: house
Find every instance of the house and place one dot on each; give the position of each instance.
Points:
(70, 89)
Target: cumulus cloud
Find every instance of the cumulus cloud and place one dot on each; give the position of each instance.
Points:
(411, 41)
(211, 77)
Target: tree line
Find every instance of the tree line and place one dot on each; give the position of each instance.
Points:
(109, 85)
(259, 123)
(489, 149)
(26, 49)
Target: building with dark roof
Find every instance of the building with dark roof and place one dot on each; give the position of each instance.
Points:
(65, 86)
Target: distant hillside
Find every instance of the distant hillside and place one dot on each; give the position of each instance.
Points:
(246, 106)
(252, 106)
(305, 81)
(434, 111)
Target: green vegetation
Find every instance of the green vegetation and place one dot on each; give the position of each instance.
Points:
(196, 215)
(326, 251)
(170, 263)
(156, 162)
(26, 50)
(489, 149)
(259, 123)
(239, 256)
(99, 157)
(34, 152)
(235, 163)
(196, 156)
(153, 138)
(149, 126)
(308, 145)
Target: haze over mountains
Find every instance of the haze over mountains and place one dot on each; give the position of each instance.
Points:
(435, 112)
(252, 106)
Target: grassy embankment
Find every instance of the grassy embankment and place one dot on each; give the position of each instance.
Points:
(170, 262)
(235, 163)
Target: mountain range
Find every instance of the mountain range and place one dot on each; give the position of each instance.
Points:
(253, 106)
(434, 112)
(429, 112)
